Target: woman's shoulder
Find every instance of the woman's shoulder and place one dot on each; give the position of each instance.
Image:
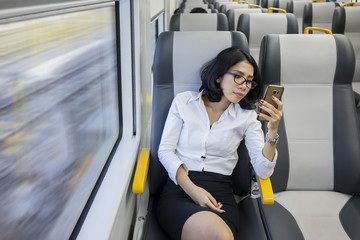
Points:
(186, 96)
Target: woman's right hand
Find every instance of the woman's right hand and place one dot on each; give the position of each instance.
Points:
(199, 195)
(203, 198)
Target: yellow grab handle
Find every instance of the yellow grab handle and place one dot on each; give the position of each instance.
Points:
(276, 9)
(348, 3)
(267, 194)
(254, 6)
(327, 31)
(141, 171)
(315, 1)
(242, 2)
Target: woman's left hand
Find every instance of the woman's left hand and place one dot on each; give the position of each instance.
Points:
(275, 113)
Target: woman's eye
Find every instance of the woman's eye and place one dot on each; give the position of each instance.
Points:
(237, 77)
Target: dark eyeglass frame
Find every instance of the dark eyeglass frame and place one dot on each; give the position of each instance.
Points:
(247, 82)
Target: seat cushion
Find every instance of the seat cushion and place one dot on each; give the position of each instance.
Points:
(316, 214)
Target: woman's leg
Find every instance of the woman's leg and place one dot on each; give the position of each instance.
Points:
(206, 225)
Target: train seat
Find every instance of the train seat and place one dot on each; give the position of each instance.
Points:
(234, 14)
(319, 15)
(257, 25)
(346, 21)
(224, 7)
(268, 3)
(199, 22)
(174, 73)
(281, 3)
(297, 7)
(316, 181)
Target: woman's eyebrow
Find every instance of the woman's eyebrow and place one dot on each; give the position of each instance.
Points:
(241, 73)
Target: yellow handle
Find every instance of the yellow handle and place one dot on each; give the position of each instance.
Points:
(327, 31)
(276, 9)
(315, 1)
(242, 2)
(254, 6)
(348, 3)
(141, 170)
(267, 194)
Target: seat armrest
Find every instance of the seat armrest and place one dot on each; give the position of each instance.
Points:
(141, 171)
(267, 194)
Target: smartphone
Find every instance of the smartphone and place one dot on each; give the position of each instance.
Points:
(271, 90)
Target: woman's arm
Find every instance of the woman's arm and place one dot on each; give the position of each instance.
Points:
(273, 125)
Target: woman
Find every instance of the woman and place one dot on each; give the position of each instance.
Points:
(199, 145)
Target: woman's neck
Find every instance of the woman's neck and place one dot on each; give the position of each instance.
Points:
(216, 106)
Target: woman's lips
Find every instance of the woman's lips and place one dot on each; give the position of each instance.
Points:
(239, 95)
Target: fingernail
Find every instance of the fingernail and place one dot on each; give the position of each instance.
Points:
(272, 97)
(262, 101)
(258, 113)
(260, 105)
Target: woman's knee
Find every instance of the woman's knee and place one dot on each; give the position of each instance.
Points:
(206, 225)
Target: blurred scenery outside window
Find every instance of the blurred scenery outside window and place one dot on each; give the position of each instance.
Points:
(59, 118)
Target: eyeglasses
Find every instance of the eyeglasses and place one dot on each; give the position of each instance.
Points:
(241, 80)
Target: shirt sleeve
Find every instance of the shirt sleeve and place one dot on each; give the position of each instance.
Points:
(254, 141)
(168, 144)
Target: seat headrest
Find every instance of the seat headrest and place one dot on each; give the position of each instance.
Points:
(180, 55)
(199, 22)
(285, 58)
(256, 25)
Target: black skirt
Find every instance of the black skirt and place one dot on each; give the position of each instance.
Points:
(175, 206)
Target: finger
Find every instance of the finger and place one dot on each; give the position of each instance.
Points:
(216, 209)
(264, 116)
(271, 111)
(278, 102)
(213, 200)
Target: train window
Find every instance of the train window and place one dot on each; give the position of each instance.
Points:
(127, 51)
(157, 27)
(59, 117)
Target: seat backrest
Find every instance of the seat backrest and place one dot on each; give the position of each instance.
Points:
(218, 3)
(257, 25)
(297, 7)
(191, 5)
(231, 5)
(346, 21)
(178, 59)
(319, 15)
(234, 14)
(281, 3)
(319, 148)
(199, 22)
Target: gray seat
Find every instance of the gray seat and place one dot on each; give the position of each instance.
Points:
(174, 73)
(316, 180)
(257, 25)
(346, 21)
(297, 7)
(319, 15)
(224, 7)
(199, 22)
(234, 14)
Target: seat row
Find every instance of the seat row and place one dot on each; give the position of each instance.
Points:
(317, 176)
(345, 20)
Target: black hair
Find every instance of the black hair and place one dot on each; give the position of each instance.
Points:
(218, 66)
(198, 10)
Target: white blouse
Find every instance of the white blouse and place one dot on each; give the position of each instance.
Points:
(188, 140)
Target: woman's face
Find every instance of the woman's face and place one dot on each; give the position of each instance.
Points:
(234, 92)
